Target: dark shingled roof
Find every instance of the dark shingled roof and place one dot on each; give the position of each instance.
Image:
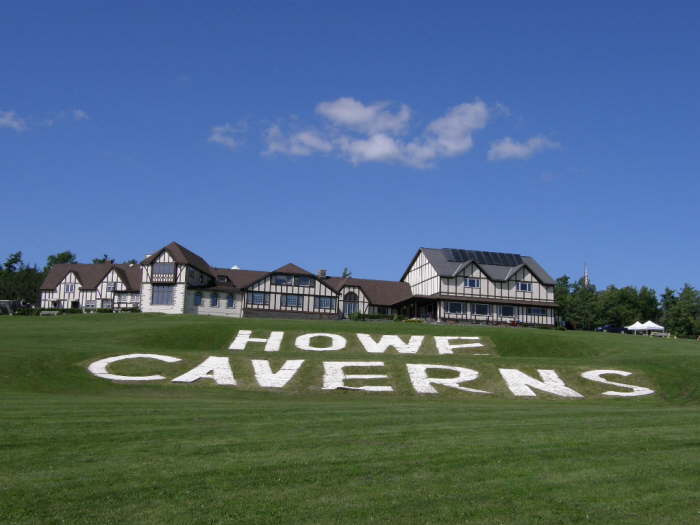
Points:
(238, 278)
(382, 293)
(443, 260)
(91, 275)
(292, 269)
(181, 255)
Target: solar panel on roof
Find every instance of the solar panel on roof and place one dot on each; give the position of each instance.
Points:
(494, 258)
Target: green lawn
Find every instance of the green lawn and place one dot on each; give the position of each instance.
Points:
(80, 449)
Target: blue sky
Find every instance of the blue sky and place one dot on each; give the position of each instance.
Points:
(333, 135)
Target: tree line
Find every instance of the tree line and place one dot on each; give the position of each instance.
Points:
(583, 307)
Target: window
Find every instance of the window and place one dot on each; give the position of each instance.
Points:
(106, 303)
(282, 280)
(455, 308)
(162, 294)
(383, 310)
(198, 299)
(470, 282)
(524, 287)
(536, 310)
(258, 298)
(90, 304)
(293, 301)
(507, 311)
(164, 268)
(303, 280)
(111, 286)
(481, 309)
(69, 287)
(230, 302)
(222, 278)
(324, 303)
(215, 299)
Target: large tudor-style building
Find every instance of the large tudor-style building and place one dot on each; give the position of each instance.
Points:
(439, 284)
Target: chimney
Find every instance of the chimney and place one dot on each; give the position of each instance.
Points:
(322, 274)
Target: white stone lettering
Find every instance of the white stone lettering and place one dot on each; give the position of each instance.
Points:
(272, 342)
(595, 375)
(444, 347)
(99, 368)
(303, 342)
(213, 367)
(423, 384)
(386, 341)
(267, 378)
(334, 376)
(519, 383)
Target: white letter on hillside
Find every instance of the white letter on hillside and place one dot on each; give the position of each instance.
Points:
(216, 368)
(303, 342)
(267, 378)
(99, 368)
(334, 376)
(594, 375)
(520, 383)
(444, 347)
(386, 341)
(424, 384)
(272, 343)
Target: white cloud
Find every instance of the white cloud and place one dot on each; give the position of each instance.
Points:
(9, 119)
(373, 118)
(370, 133)
(302, 143)
(79, 114)
(224, 135)
(507, 148)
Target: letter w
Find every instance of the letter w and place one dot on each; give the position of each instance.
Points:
(413, 345)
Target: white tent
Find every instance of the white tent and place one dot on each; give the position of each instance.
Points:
(650, 325)
(637, 326)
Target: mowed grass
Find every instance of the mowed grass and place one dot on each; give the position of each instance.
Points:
(79, 449)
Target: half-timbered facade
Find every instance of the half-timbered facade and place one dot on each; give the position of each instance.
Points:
(467, 285)
(439, 284)
(92, 286)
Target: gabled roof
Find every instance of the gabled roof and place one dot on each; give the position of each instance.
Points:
(238, 278)
(292, 269)
(91, 275)
(181, 255)
(448, 262)
(381, 293)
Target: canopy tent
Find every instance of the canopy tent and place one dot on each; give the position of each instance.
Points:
(651, 325)
(636, 327)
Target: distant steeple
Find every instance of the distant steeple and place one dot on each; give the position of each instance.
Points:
(586, 276)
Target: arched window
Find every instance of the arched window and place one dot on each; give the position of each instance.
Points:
(215, 299)
(230, 303)
(351, 303)
(198, 298)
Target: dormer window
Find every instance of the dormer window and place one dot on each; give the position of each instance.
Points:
(283, 280)
(293, 280)
(162, 268)
(470, 282)
(303, 280)
(221, 279)
(524, 287)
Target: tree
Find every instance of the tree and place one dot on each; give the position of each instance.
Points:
(583, 306)
(346, 273)
(648, 304)
(131, 261)
(105, 258)
(682, 313)
(60, 258)
(13, 262)
(562, 296)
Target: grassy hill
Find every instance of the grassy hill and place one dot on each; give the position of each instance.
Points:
(80, 449)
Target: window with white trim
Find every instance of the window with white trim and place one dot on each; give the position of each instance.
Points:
(111, 285)
(471, 282)
(258, 298)
(524, 287)
(69, 287)
(324, 303)
(455, 308)
(536, 310)
(292, 300)
(507, 311)
(163, 268)
(162, 294)
(481, 309)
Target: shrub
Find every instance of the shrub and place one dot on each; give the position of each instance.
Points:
(104, 310)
